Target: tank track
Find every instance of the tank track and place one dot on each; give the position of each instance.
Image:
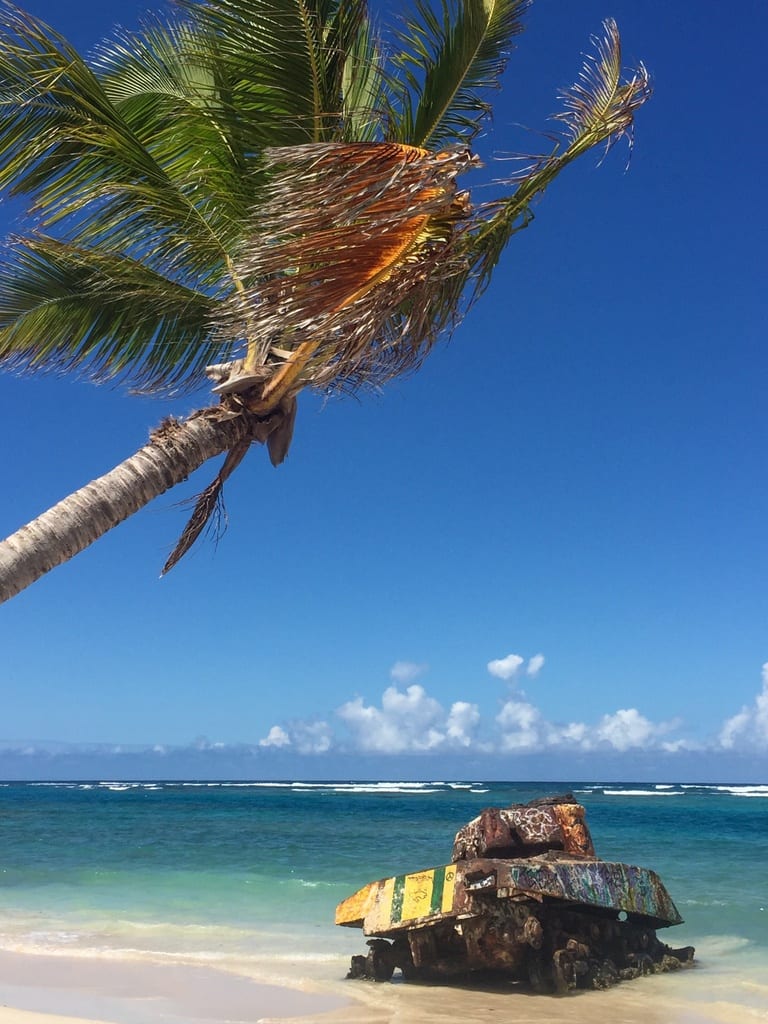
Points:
(549, 948)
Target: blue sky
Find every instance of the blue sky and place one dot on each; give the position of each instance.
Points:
(578, 478)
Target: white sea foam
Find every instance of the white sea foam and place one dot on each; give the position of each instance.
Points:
(720, 945)
(366, 787)
(256, 785)
(639, 792)
(382, 787)
(743, 790)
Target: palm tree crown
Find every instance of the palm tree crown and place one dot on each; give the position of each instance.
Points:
(262, 192)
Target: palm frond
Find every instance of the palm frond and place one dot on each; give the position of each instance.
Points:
(348, 235)
(209, 503)
(453, 52)
(163, 81)
(599, 107)
(64, 144)
(102, 316)
(281, 73)
(599, 110)
(365, 86)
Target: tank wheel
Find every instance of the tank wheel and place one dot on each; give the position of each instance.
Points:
(380, 964)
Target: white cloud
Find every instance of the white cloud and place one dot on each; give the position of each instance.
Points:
(276, 737)
(408, 719)
(462, 722)
(625, 729)
(675, 746)
(406, 671)
(535, 665)
(574, 734)
(520, 724)
(761, 708)
(748, 728)
(312, 737)
(405, 721)
(505, 668)
(733, 727)
(305, 737)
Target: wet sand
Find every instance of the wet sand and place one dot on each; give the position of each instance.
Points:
(50, 989)
(72, 990)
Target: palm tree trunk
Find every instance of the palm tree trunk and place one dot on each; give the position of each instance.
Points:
(175, 449)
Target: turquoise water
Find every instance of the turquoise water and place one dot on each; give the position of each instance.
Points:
(251, 873)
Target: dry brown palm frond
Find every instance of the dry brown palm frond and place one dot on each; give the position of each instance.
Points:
(276, 432)
(207, 504)
(348, 236)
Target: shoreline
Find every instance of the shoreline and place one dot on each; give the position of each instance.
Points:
(63, 989)
(53, 988)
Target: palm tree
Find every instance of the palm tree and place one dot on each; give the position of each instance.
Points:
(261, 194)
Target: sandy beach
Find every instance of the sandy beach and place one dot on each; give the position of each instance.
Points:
(50, 989)
(200, 904)
(36, 989)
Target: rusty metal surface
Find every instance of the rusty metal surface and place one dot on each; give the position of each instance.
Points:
(463, 890)
(524, 830)
(588, 882)
(552, 915)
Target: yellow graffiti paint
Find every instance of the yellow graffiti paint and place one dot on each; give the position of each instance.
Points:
(379, 916)
(446, 904)
(417, 895)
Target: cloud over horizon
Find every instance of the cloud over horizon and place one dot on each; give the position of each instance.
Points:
(749, 727)
(410, 720)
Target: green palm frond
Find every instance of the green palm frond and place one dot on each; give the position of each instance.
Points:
(452, 53)
(101, 315)
(365, 86)
(64, 144)
(283, 60)
(165, 86)
(364, 91)
(150, 167)
(599, 111)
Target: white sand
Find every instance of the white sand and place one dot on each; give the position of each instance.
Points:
(74, 990)
(131, 992)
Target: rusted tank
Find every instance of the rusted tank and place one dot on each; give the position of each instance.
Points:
(524, 896)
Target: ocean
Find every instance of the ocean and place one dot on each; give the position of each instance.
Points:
(247, 875)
